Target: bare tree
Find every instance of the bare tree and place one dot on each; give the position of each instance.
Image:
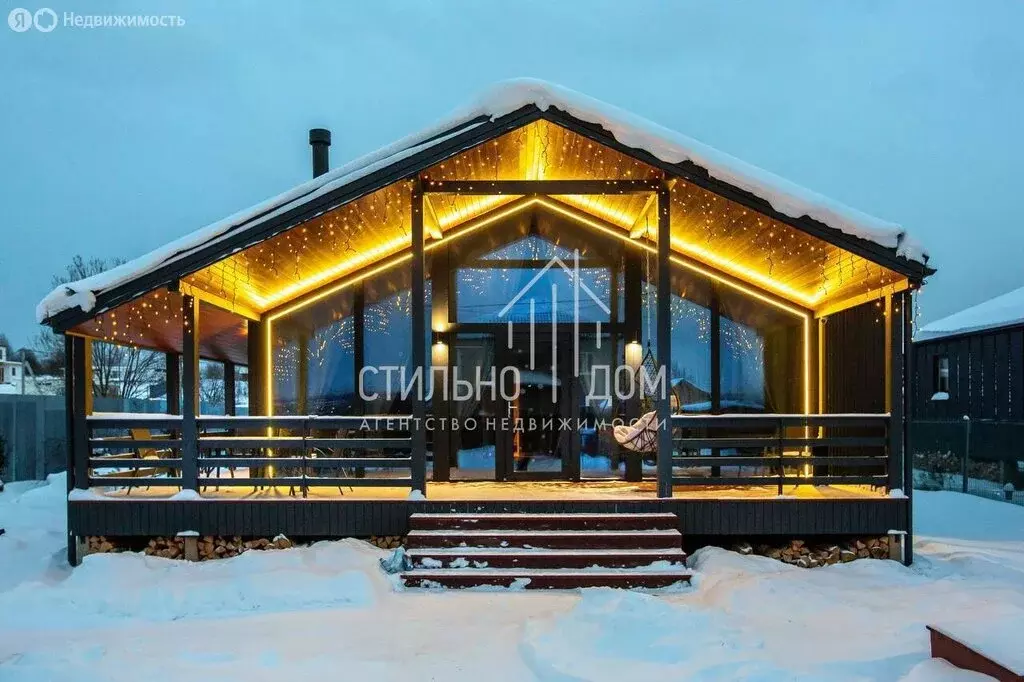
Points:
(211, 383)
(117, 371)
(123, 371)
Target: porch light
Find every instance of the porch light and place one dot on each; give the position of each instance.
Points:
(634, 355)
(439, 354)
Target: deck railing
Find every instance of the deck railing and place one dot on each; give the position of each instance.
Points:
(781, 449)
(300, 452)
(303, 452)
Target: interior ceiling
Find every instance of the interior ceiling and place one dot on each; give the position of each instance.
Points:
(154, 321)
(706, 227)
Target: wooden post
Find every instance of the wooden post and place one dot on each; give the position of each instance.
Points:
(81, 406)
(632, 325)
(302, 385)
(172, 382)
(664, 343)
(77, 405)
(257, 368)
(358, 342)
(229, 388)
(441, 400)
(906, 313)
(419, 330)
(894, 398)
(190, 395)
(715, 332)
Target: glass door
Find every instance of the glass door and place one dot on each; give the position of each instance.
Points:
(536, 399)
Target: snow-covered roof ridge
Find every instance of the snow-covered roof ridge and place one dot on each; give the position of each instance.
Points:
(1002, 311)
(500, 99)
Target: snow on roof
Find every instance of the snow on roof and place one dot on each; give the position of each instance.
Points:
(501, 99)
(1001, 311)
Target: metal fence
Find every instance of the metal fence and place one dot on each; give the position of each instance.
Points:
(981, 457)
(33, 431)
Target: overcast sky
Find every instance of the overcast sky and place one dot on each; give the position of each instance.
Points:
(116, 140)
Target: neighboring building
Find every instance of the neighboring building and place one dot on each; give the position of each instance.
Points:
(790, 312)
(971, 365)
(12, 374)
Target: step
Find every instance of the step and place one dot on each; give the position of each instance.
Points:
(477, 557)
(611, 521)
(544, 580)
(547, 539)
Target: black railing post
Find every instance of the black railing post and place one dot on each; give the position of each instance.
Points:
(780, 434)
(190, 395)
(419, 351)
(305, 455)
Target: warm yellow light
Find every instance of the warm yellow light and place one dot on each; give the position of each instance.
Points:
(439, 354)
(523, 204)
(634, 354)
(480, 204)
(593, 204)
(710, 274)
(746, 273)
(307, 284)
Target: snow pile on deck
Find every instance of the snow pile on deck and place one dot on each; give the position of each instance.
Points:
(327, 611)
(1001, 311)
(503, 98)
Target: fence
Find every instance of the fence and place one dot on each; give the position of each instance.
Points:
(981, 457)
(33, 429)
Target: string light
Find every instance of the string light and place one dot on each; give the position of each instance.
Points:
(347, 239)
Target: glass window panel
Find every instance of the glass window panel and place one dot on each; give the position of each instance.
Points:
(482, 294)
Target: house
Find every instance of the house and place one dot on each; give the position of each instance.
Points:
(12, 374)
(365, 304)
(968, 385)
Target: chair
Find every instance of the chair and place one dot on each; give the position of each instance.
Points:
(142, 434)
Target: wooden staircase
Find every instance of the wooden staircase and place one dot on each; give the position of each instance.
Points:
(544, 551)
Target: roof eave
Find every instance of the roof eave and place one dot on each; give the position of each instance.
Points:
(454, 142)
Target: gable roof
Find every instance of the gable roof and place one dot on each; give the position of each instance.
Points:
(1006, 310)
(503, 107)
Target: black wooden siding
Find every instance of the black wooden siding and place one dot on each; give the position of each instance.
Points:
(986, 377)
(351, 518)
(855, 360)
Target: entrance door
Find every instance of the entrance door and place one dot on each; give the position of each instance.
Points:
(541, 443)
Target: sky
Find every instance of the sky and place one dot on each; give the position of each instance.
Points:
(114, 141)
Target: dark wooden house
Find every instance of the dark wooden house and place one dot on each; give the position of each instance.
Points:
(968, 391)
(450, 256)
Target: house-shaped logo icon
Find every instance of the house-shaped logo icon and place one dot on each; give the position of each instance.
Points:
(578, 287)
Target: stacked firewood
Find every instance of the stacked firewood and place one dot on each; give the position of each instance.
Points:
(799, 553)
(101, 544)
(220, 547)
(209, 546)
(387, 541)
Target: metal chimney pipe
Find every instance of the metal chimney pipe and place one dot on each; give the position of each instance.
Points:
(320, 141)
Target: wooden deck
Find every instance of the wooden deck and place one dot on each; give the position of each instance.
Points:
(804, 511)
(478, 491)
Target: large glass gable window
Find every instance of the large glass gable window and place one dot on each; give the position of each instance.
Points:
(532, 278)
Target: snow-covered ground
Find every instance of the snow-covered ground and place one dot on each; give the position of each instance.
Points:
(327, 611)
